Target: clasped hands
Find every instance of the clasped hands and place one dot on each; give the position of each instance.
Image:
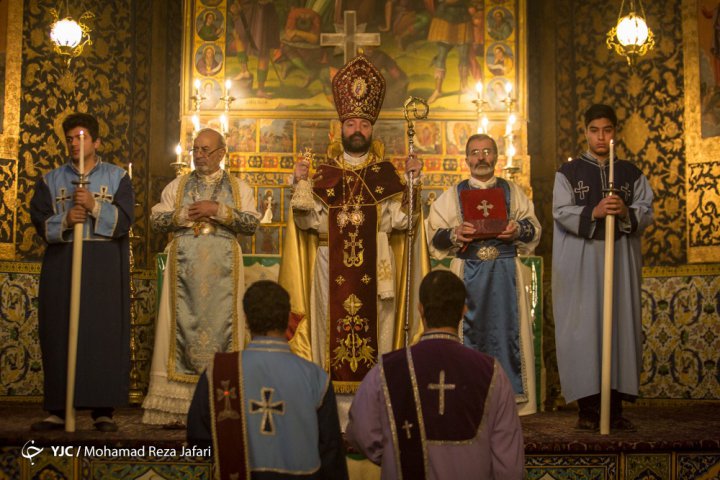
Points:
(202, 210)
(84, 203)
(465, 230)
(612, 205)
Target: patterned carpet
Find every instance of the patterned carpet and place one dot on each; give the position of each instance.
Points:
(658, 428)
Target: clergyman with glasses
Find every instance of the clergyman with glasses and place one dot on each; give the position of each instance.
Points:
(497, 320)
(200, 309)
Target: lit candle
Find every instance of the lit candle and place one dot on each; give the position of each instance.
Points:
(178, 153)
(611, 176)
(508, 88)
(196, 123)
(510, 124)
(228, 84)
(82, 153)
(223, 124)
(510, 155)
(484, 124)
(197, 88)
(130, 170)
(478, 89)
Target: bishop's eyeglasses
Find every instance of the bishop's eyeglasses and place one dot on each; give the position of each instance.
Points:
(204, 151)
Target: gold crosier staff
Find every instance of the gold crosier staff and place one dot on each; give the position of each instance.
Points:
(75, 286)
(606, 375)
(411, 106)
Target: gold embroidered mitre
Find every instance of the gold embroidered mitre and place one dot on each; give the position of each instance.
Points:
(358, 90)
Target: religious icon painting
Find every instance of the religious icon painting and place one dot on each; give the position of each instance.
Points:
(496, 92)
(428, 138)
(269, 201)
(392, 134)
(210, 24)
(208, 59)
(211, 93)
(267, 241)
(500, 23)
(499, 59)
(246, 244)
(312, 134)
(241, 135)
(456, 136)
(276, 135)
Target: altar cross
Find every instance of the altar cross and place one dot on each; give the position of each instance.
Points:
(350, 39)
(441, 386)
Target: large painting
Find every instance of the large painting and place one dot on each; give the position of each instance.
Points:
(709, 43)
(702, 134)
(272, 52)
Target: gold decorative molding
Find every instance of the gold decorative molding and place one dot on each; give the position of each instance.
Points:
(682, 271)
(701, 154)
(10, 128)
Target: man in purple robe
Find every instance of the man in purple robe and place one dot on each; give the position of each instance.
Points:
(438, 409)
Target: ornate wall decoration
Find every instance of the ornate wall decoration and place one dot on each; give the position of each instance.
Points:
(680, 352)
(647, 101)
(110, 80)
(703, 202)
(10, 66)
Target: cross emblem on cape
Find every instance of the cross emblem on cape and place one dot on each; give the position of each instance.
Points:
(626, 190)
(581, 189)
(485, 207)
(224, 395)
(350, 39)
(60, 199)
(103, 195)
(441, 386)
(267, 408)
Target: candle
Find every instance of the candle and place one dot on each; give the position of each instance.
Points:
(197, 88)
(478, 89)
(510, 123)
(82, 153)
(508, 88)
(178, 153)
(223, 124)
(611, 176)
(196, 123)
(130, 170)
(484, 123)
(228, 84)
(510, 155)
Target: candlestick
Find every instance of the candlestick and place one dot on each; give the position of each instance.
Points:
(82, 154)
(611, 176)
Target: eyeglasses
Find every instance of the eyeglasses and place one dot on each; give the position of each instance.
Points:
(475, 152)
(204, 151)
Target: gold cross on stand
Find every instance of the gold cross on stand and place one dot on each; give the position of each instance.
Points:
(350, 39)
(441, 386)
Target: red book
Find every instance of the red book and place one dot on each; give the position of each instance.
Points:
(486, 210)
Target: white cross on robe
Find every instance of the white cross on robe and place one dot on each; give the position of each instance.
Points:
(581, 189)
(350, 39)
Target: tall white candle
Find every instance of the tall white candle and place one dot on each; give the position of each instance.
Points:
(479, 89)
(611, 176)
(178, 153)
(130, 170)
(228, 84)
(197, 88)
(508, 88)
(82, 153)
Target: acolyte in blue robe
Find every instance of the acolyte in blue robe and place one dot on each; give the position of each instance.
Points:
(103, 354)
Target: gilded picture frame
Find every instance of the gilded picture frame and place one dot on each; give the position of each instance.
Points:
(276, 73)
(10, 68)
(702, 153)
